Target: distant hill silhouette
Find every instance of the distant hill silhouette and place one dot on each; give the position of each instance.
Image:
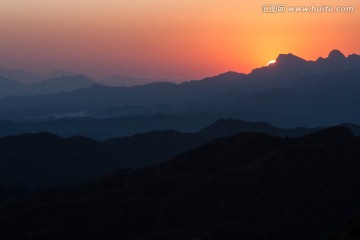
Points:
(128, 125)
(321, 104)
(248, 186)
(10, 87)
(124, 81)
(21, 76)
(291, 92)
(289, 67)
(61, 84)
(60, 74)
(102, 129)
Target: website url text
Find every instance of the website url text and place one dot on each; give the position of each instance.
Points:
(282, 8)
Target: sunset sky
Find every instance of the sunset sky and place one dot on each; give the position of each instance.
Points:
(172, 39)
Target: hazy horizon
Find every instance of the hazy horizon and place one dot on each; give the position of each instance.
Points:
(158, 39)
(149, 79)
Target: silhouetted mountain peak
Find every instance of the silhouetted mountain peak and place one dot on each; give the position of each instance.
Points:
(320, 59)
(230, 74)
(354, 57)
(225, 77)
(336, 54)
(289, 59)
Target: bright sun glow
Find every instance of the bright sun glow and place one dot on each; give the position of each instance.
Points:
(271, 62)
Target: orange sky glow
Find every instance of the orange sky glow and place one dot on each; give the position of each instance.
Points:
(178, 40)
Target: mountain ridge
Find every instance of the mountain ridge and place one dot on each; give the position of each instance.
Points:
(226, 92)
(47, 160)
(300, 188)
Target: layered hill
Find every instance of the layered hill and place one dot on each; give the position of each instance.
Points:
(247, 186)
(290, 92)
(10, 87)
(41, 160)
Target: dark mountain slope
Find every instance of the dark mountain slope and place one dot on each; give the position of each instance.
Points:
(350, 231)
(248, 186)
(355, 129)
(228, 127)
(7, 193)
(44, 160)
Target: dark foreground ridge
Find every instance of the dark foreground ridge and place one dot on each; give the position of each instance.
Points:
(247, 186)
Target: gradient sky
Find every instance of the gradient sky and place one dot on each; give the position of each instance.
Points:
(173, 39)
